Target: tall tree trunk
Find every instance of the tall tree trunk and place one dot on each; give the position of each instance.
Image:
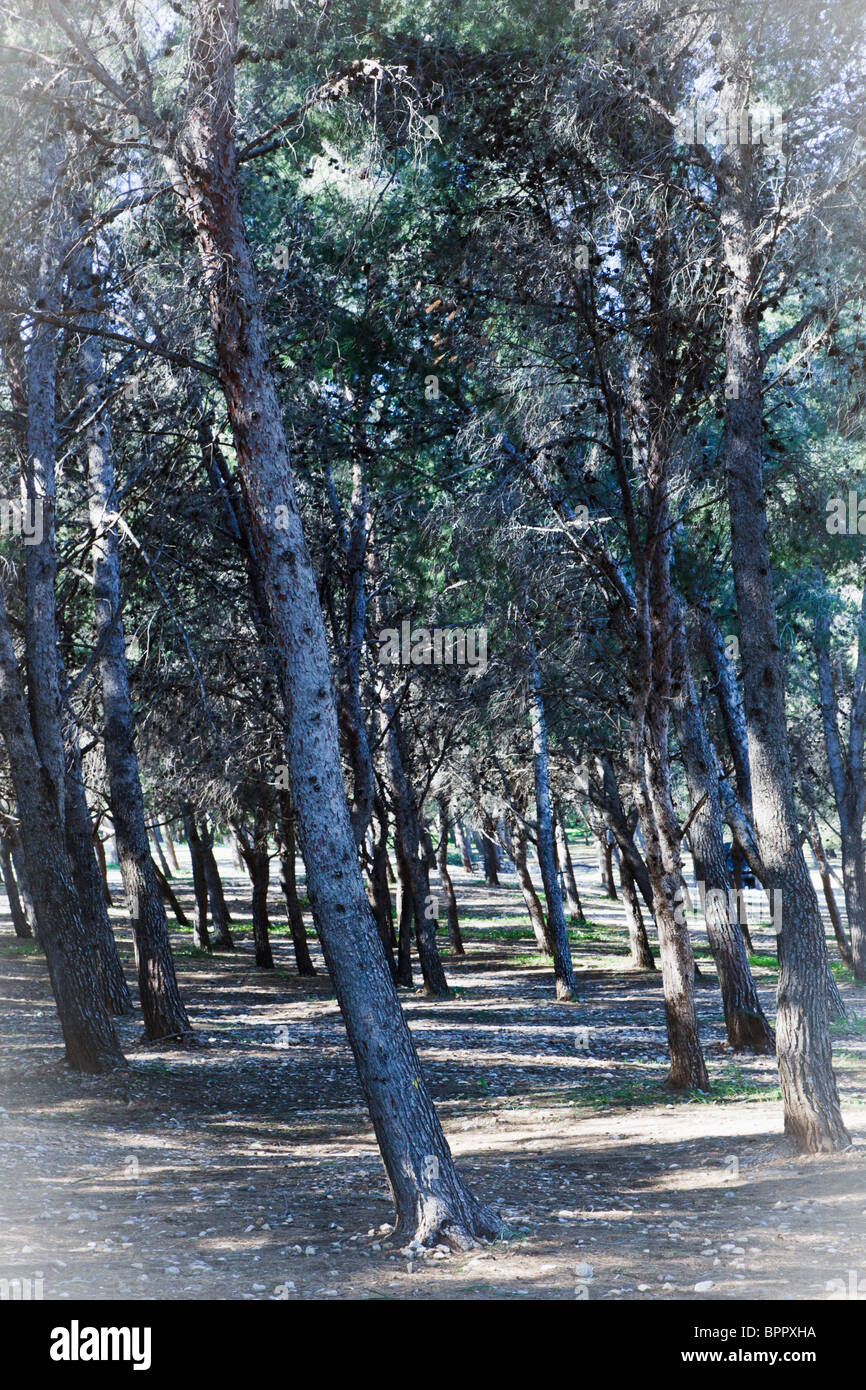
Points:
(813, 1117)
(466, 860)
(405, 917)
(170, 849)
(99, 851)
(742, 915)
(537, 919)
(200, 935)
(847, 777)
(20, 924)
(557, 927)
(288, 882)
(817, 844)
(431, 1199)
(747, 1027)
(160, 852)
(88, 1031)
(454, 936)
(161, 1004)
(572, 897)
(488, 852)
(88, 880)
(20, 866)
(222, 937)
(260, 870)
(170, 897)
(638, 941)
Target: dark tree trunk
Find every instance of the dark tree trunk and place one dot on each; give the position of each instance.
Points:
(813, 1117)
(405, 917)
(466, 860)
(488, 853)
(817, 844)
(222, 937)
(742, 915)
(200, 935)
(170, 897)
(572, 897)
(746, 1025)
(638, 941)
(99, 850)
(556, 923)
(160, 852)
(530, 897)
(88, 1031)
(20, 866)
(379, 880)
(20, 924)
(431, 1199)
(454, 936)
(260, 870)
(288, 882)
(161, 1004)
(88, 880)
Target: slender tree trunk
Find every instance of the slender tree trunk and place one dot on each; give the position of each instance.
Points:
(817, 844)
(466, 860)
(533, 904)
(572, 897)
(20, 924)
(638, 941)
(288, 882)
(161, 1004)
(200, 935)
(170, 897)
(557, 927)
(405, 917)
(742, 915)
(160, 852)
(431, 1199)
(99, 850)
(488, 853)
(746, 1025)
(813, 1117)
(170, 849)
(20, 866)
(222, 937)
(454, 936)
(260, 870)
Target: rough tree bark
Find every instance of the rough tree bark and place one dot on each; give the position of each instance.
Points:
(557, 926)
(454, 936)
(286, 847)
(162, 1008)
(88, 1031)
(813, 1117)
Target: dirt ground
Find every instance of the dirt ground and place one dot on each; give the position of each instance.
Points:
(247, 1169)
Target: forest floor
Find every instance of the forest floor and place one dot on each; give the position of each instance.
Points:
(247, 1168)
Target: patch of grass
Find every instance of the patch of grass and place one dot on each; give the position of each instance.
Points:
(765, 962)
(855, 1025)
(21, 948)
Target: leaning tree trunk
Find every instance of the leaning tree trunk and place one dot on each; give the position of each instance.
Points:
(813, 1117)
(200, 935)
(20, 924)
(20, 867)
(99, 851)
(431, 1199)
(288, 881)
(160, 852)
(170, 897)
(170, 849)
(88, 1031)
(747, 1028)
(817, 844)
(537, 919)
(638, 941)
(405, 917)
(572, 897)
(454, 936)
(161, 1004)
(557, 927)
